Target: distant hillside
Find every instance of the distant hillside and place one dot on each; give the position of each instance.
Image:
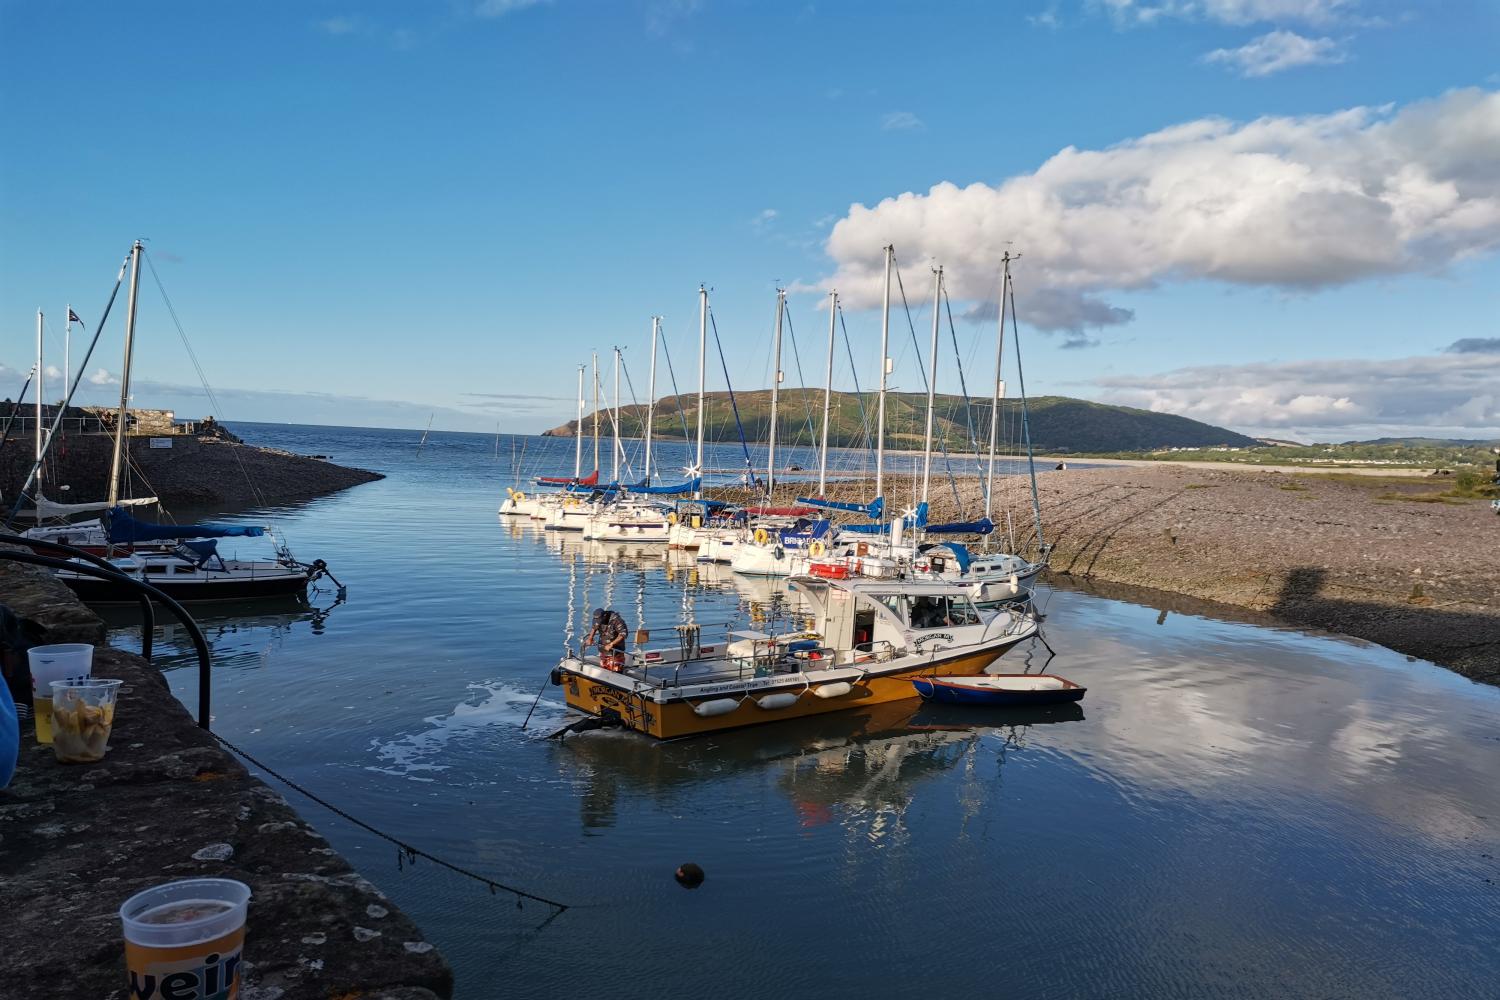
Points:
(1058, 423)
(1424, 442)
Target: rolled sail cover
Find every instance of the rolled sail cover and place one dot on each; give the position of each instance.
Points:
(124, 528)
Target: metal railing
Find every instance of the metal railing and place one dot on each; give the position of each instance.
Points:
(91, 565)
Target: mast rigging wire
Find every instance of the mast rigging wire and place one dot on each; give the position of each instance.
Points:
(213, 401)
(733, 404)
(68, 400)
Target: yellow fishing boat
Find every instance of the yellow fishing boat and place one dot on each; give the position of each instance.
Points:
(866, 640)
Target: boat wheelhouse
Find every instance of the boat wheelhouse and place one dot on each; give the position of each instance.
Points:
(865, 642)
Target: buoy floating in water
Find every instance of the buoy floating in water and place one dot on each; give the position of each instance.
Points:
(689, 875)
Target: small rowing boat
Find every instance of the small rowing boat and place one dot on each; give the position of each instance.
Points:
(999, 689)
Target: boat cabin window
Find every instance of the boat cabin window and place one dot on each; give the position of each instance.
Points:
(942, 612)
(897, 604)
(155, 568)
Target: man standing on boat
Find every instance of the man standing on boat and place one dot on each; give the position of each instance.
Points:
(609, 634)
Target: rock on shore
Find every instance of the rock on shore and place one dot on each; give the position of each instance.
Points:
(194, 474)
(1388, 561)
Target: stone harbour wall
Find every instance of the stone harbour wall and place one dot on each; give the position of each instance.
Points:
(168, 802)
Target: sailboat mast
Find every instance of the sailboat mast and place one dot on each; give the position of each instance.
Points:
(578, 431)
(651, 394)
(68, 350)
(775, 390)
(937, 292)
(40, 383)
(614, 458)
(596, 411)
(117, 460)
(1036, 503)
(997, 390)
(833, 309)
(885, 371)
(702, 358)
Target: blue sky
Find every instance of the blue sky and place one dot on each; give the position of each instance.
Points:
(367, 212)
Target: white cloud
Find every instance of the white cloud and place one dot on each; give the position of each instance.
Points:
(339, 25)
(1279, 50)
(1231, 11)
(499, 8)
(103, 377)
(1442, 394)
(898, 121)
(1293, 203)
(52, 372)
(763, 219)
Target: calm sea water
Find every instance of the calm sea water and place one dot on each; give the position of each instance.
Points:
(1237, 810)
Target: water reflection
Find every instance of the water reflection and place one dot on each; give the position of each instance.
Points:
(861, 768)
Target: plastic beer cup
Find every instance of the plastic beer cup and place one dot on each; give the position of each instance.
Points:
(184, 939)
(62, 661)
(83, 713)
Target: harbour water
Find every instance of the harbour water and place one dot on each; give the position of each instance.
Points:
(1236, 810)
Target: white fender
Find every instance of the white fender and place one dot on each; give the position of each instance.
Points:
(835, 690)
(1015, 587)
(719, 706)
(782, 699)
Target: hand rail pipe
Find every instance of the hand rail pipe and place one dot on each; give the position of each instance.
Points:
(205, 660)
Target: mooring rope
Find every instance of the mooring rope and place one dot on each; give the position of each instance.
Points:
(405, 853)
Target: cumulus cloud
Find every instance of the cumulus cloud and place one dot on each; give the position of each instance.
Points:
(1287, 202)
(336, 26)
(1231, 11)
(900, 121)
(1474, 345)
(103, 377)
(52, 372)
(499, 8)
(1276, 51)
(1444, 394)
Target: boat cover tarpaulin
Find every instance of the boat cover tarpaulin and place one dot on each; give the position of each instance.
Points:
(781, 511)
(46, 509)
(588, 480)
(872, 510)
(124, 528)
(690, 486)
(981, 527)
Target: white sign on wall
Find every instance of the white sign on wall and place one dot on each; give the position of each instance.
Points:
(161, 442)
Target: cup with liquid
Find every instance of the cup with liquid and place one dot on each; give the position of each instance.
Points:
(83, 713)
(63, 661)
(184, 939)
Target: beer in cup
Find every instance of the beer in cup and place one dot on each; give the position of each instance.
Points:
(59, 662)
(183, 940)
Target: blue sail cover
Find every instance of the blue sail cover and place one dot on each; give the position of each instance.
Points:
(917, 520)
(687, 487)
(872, 510)
(124, 528)
(981, 527)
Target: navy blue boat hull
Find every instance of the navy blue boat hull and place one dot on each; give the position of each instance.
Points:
(952, 694)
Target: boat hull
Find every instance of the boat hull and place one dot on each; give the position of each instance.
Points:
(676, 718)
(91, 590)
(933, 689)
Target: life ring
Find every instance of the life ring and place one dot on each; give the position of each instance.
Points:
(518, 496)
(761, 537)
(817, 547)
(672, 517)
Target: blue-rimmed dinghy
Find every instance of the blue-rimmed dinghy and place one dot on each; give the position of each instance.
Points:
(999, 689)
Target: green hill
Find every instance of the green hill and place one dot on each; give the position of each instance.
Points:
(1058, 423)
